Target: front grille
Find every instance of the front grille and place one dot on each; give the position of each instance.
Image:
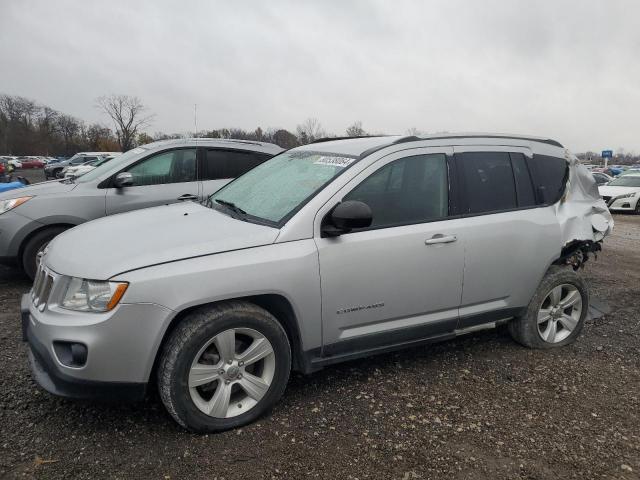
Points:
(41, 289)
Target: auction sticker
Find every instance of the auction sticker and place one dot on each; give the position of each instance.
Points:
(334, 161)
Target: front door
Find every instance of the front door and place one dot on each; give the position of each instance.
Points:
(167, 177)
(399, 280)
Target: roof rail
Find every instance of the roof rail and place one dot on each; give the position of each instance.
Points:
(548, 141)
(329, 139)
(232, 140)
(414, 138)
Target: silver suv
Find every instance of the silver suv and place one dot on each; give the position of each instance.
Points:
(324, 253)
(154, 174)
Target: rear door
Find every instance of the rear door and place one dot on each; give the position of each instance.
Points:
(163, 178)
(220, 166)
(509, 238)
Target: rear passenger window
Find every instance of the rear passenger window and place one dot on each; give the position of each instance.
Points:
(488, 178)
(219, 164)
(549, 177)
(524, 187)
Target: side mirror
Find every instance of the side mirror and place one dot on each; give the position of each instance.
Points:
(123, 179)
(345, 217)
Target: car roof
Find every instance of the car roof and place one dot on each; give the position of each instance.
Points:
(362, 146)
(216, 142)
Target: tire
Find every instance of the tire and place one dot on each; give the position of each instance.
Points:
(187, 346)
(544, 325)
(34, 245)
(637, 209)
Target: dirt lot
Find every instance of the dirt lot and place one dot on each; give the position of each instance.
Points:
(477, 407)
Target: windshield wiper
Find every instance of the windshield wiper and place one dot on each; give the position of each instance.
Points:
(231, 206)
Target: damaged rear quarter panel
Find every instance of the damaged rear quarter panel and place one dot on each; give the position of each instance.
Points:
(581, 212)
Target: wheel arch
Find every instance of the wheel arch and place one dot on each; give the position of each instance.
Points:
(277, 305)
(34, 232)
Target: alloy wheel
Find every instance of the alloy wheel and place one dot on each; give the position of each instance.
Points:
(232, 372)
(559, 313)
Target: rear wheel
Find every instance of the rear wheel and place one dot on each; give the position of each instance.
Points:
(555, 316)
(34, 246)
(223, 367)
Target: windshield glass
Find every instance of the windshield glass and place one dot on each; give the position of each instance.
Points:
(626, 181)
(276, 188)
(106, 166)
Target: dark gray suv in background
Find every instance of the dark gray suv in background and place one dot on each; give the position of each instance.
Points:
(154, 174)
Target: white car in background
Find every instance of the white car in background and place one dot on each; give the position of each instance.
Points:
(13, 161)
(622, 193)
(76, 171)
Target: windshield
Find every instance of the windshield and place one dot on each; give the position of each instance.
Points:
(105, 167)
(276, 188)
(626, 181)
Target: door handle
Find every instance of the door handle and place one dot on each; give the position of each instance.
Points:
(188, 196)
(440, 238)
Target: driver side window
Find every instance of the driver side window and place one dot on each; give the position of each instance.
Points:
(406, 191)
(174, 166)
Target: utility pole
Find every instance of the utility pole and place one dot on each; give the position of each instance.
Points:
(195, 120)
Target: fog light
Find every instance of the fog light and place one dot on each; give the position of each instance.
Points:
(71, 354)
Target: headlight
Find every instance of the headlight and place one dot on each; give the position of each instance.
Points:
(92, 296)
(6, 205)
(628, 195)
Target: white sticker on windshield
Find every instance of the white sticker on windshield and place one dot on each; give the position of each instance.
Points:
(334, 161)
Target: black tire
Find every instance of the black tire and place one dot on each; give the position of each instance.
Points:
(197, 328)
(36, 243)
(637, 209)
(524, 329)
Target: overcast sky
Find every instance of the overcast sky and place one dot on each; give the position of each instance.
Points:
(565, 69)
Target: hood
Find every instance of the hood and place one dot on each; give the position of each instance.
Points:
(43, 188)
(614, 191)
(108, 246)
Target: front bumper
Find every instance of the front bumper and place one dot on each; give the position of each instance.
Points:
(627, 204)
(121, 349)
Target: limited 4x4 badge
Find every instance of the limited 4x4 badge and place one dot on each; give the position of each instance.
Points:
(360, 307)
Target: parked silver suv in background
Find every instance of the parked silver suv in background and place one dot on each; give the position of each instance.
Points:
(154, 174)
(327, 252)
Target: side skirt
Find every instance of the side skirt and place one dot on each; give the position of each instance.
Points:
(385, 342)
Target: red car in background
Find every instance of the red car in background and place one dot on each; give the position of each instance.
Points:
(30, 162)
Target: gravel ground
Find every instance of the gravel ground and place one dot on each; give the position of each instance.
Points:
(476, 407)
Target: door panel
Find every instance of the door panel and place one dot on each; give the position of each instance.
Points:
(393, 283)
(381, 280)
(120, 200)
(506, 255)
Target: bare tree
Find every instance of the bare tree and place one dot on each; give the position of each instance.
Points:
(309, 131)
(128, 115)
(414, 132)
(355, 130)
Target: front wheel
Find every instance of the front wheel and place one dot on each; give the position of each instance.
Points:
(555, 316)
(224, 366)
(34, 246)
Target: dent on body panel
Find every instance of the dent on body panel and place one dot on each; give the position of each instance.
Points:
(288, 269)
